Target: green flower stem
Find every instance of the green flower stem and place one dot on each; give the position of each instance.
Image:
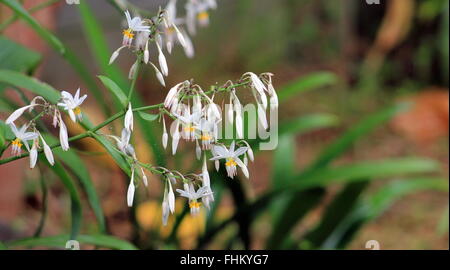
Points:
(90, 132)
(134, 79)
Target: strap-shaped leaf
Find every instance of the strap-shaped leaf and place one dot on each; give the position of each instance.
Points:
(32, 84)
(59, 241)
(78, 168)
(306, 83)
(44, 33)
(115, 90)
(75, 204)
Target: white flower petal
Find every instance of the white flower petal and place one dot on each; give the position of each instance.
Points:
(131, 189)
(17, 113)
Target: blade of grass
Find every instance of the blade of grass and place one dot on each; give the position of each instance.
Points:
(75, 204)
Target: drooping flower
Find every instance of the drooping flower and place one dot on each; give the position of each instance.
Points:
(17, 113)
(34, 153)
(193, 195)
(128, 119)
(63, 136)
(232, 158)
(47, 151)
(123, 143)
(72, 104)
(135, 24)
(168, 204)
(207, 199)
(22, 138)
(197, 12)
(131, 189)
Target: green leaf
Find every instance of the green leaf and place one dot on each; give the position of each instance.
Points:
(302, 203)
(20, 80)
(6, 132)
(99, 46)
(107, 241)
(307, 123)
(148, 116)
(363, 170)
(59, 241)
(44, 33)
(14, 56)
(78, 168)
(306, 83)
(284, 160)
(375, 204)
(348, 138)
(118, 158)
(442, 226)
(336, 211)
(3, 246)
(68, 182)
(115, 90)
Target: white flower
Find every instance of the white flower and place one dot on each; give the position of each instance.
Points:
(132, 71)
(209, 132)
(63, 137)
(144, 177)
(249, 151)
(176, 137)
(271, 91)
(190, 122)
(128, 120)
(22, 136)
(168, 204)
(131, 189)
(134, 25)
(198, 150)
(115, 54)
(232, 158)
(172, 96)
(206, 183)
(165, 136)
(197, 11)
(34, 153)
(159, 75)
(162, 61)
(238, 109)
(123, 143)
(47, 151)
(190, 193)
(17, 113)
(72, 104)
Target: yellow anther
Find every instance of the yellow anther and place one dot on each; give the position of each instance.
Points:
(189, 128)
(128, 33)
(194, 204)
(230, 162)
(17, 142)
(77, 110)
(201, 16)
(205, 137)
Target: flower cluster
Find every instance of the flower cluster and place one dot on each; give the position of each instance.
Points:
(164, 30)
(29, 132)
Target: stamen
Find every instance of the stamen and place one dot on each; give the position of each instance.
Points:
(194, 204)
(77, 110)
(128, 33)
(205, 137)
(230, 162)
(201, 16)
(189, 128)
(17, 143)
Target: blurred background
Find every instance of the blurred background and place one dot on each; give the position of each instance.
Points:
(358, 59)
